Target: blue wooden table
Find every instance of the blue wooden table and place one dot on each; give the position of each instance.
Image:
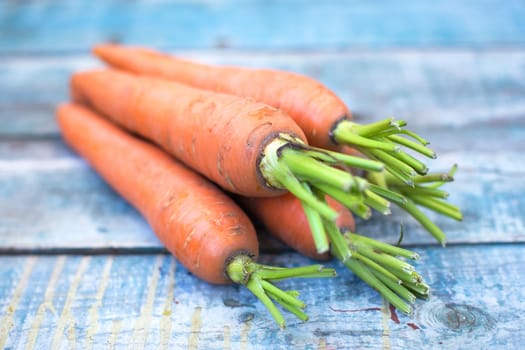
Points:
(79, 268)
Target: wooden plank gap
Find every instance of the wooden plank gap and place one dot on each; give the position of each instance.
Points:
(124, 251)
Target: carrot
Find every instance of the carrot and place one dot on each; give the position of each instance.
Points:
(284, 218)
(323, 116)
(201, 226)
(374, 262)
(246, 147)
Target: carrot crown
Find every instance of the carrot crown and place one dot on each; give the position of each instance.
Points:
(311, 174)
(258, 279)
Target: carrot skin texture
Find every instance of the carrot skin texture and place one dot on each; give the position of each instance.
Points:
(200, 225)
(312, 105)
(284, 218)
(220, 136)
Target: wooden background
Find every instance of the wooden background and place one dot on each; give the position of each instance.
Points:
(79, 268)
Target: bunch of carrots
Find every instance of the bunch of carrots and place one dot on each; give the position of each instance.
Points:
(198, 148)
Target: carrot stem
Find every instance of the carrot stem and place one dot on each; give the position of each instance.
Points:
(289, 157)
(352, 201)
(423, 191)
(346, 159)
(387, 193)
(427, 195)
(438, 206)
(417, 165)
(381, 141)
(449, 175)
(421, 288)
(377, 202)
(380, 126)
(376, 267)
(376, 263)
(399, 289)
(391, 166)
(310, 174)
(385, 247)
(282, 295)
(260, 293)
(392, 160)
(300, 314)
(309, 169)
(366, 275)
(279, 273)
(377, 179)
(388, 261)
(339, 247)
(417, 214)
(439, 177)
(361, 141)
(316, 226)
(420, 148)
(297, 189)
(256, 277)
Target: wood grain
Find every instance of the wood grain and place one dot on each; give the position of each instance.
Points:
(37, 202)
(469, 306)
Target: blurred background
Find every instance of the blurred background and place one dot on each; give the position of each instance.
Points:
(384, 58)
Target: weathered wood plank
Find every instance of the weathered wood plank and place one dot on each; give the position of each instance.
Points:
(50, 199)
(63, 204)
(430, 89)
(480, 99)
(258, 24)
(105, 301)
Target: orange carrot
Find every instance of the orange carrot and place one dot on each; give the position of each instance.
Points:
(201, 226)
(204, 131)
(284, 218)
(244, 146)
(372, 261)
(298, 95)
(321, 114)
